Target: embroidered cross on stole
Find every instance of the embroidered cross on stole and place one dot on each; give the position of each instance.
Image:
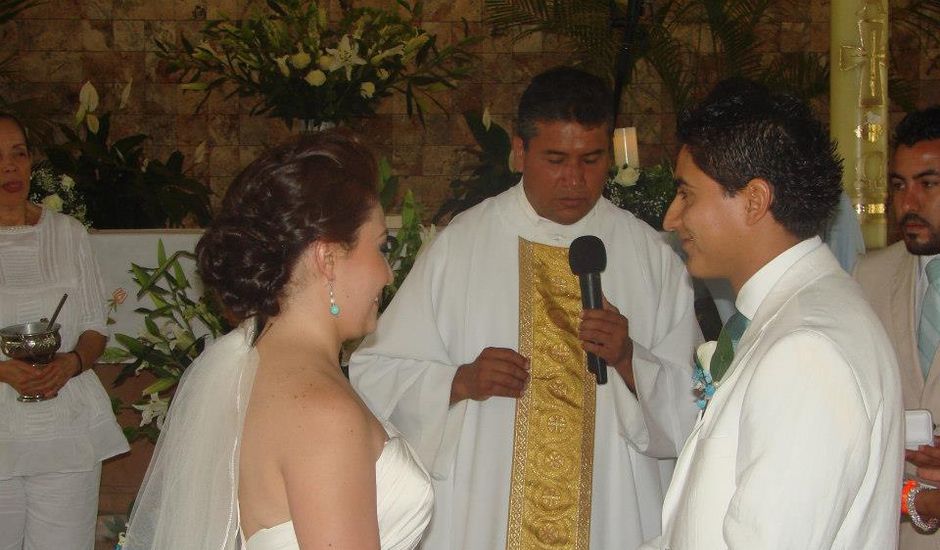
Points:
(553, 447)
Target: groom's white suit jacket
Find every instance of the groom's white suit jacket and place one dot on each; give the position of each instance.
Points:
(801, 446)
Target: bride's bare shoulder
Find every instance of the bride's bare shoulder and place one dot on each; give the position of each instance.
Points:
(295, 396)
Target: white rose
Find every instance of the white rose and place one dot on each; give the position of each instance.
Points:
(52, 202)
(315, 77)
(300, 59)
(367, 89)
(67, 182)
(627, 176)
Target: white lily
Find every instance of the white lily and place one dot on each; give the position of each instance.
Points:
(345, 56)
(155, 410)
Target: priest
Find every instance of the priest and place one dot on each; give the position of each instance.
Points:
(480, 359)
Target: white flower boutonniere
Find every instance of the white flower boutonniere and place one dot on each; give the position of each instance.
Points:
(702, 384)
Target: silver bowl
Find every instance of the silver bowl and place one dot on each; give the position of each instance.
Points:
(30, 342)
(33, 343)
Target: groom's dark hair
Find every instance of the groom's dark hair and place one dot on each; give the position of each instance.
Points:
(742, 131)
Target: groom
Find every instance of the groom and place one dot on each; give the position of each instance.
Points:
(800, 446)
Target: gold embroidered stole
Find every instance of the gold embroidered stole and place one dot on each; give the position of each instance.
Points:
(553, 447)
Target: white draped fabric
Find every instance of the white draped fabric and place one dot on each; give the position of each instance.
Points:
(189, 496)
(461, 297)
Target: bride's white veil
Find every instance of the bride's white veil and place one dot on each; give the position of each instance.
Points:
(189, 496)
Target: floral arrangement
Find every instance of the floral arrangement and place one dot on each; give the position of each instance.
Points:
(56, 192)
(646, 192)
(300, 65)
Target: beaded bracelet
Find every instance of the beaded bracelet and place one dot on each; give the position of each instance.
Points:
(81, 364)
(928, 526)
(905, 490)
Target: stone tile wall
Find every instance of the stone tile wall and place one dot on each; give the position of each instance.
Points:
(61, 44)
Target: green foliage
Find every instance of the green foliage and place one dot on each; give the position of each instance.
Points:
(408, 241)
(919, 19)
(489, 176)
(9, 9)
(649, 198)
(121, 187)
(689, 68)
(661, 39)
(300, 65)
(177, 329)
(409, 237)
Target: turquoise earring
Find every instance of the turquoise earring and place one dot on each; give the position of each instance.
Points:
(334, 309)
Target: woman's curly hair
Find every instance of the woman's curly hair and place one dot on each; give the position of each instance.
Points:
(316, 187)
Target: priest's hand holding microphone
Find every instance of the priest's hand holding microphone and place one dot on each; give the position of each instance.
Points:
(604, 332)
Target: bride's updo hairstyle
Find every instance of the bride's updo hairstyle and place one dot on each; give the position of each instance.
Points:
(320, 186)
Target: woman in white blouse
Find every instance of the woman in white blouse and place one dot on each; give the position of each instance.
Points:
(51, 450)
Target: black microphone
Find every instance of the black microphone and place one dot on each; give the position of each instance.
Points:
(587, 258)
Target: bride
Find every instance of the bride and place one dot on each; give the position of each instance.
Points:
(266, 442)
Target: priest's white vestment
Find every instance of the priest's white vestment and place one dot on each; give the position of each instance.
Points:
(461, 297)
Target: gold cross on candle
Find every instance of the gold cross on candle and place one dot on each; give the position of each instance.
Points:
(870, 55)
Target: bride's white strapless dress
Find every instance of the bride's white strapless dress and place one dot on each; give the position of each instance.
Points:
(404, 502)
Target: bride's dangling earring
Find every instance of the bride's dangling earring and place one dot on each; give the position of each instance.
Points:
(334, 309)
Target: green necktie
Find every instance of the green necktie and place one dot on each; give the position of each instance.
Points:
(727, 342)
(928, 330)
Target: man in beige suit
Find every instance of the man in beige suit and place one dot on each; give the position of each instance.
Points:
(896, 281)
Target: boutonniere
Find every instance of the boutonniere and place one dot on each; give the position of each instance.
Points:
(702, 384)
